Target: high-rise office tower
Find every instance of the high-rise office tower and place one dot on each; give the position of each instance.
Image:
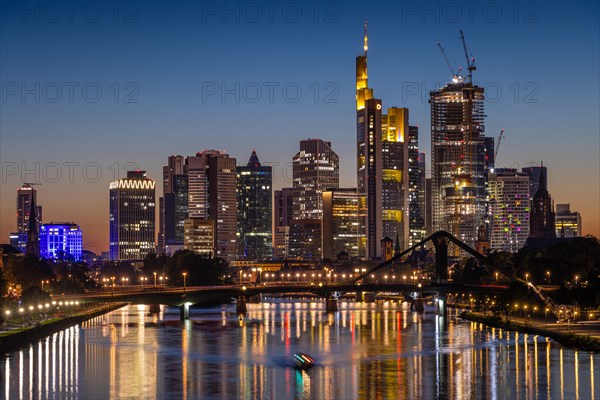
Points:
(369, 165)
(315, 169)
(174, 209)
(509, 208)
(340, 222)
(542, 215)
(212, 195)
(568, 223)
(369, 182)
(61, 241)
(254, 199)
(132, 219)
(458, 160)
(428, 207)
(534, 175)
(26, 195)
(422, 189)
(415, 190)
(199, 235)
(395, 180)
(282, 218)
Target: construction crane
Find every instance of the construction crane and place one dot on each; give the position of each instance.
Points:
(562, 313)
(498, 144)
(470, 59)
(456, 77)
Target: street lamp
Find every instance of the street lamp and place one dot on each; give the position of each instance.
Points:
(154, 279)
(576, 279)
(496, 276)
(184, 276)
(526, 277)
(548, 276)
(113, 284)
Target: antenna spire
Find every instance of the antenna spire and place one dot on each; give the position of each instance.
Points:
(366, 39)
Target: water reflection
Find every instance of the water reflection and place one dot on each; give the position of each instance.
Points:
(365, 351)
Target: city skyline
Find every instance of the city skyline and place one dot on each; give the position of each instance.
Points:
(534, 133)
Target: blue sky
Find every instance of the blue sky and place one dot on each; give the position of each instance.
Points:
(156, 63)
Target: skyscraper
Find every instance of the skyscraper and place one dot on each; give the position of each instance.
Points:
(568, 223)
(509, 208)
(174, 210)
(283, 211)
(535, 173)
(422, 195)
(369, 182)
(458, 160)
(416, 188)
(254, 199)
(61, 241)
(26, 196)
(132, 219)
(369, 165)
(542, 215)
(212, 195)
(315, 169)
(395, 181)
(340, 222)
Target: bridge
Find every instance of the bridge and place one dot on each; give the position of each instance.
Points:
(183, 297)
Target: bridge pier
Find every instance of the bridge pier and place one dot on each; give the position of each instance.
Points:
(331, 304)
(240, 305)
(441, 306)
(154, 309)
(184, 311)
(441, 259)
(359, 296)
(419, 306)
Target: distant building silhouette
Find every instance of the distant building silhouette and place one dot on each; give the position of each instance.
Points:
(542, 215)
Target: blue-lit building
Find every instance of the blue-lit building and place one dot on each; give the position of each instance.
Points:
(61, 241)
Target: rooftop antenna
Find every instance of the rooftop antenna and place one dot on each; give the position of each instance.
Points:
(366, 40)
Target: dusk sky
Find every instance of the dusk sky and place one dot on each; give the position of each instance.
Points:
(161, 68)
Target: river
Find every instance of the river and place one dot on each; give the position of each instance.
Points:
(365, 351)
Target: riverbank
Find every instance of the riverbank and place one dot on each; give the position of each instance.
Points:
(24, 337)
(568, 339)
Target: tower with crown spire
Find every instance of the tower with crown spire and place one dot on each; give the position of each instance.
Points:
(542, 223)
(254, 207)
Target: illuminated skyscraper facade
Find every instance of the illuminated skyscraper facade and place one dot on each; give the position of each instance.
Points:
(61, 241)
(458, 160)
(132, 219)
(254, 199)
(26, 196)
(282, 218)
(395, 188)
(174, 205)
(315, 169)
(340, 222)
(212, 195)
(510, 209)
(416, 189)
(567, 222)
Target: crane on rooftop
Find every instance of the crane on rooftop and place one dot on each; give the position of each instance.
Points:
(456, 77)
(470, 59)
(498, 144)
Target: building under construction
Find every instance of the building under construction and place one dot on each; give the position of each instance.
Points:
(458, 159)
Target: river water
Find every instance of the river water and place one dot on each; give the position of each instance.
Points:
(366, 351)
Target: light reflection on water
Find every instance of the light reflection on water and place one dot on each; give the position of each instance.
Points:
(365, 351)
